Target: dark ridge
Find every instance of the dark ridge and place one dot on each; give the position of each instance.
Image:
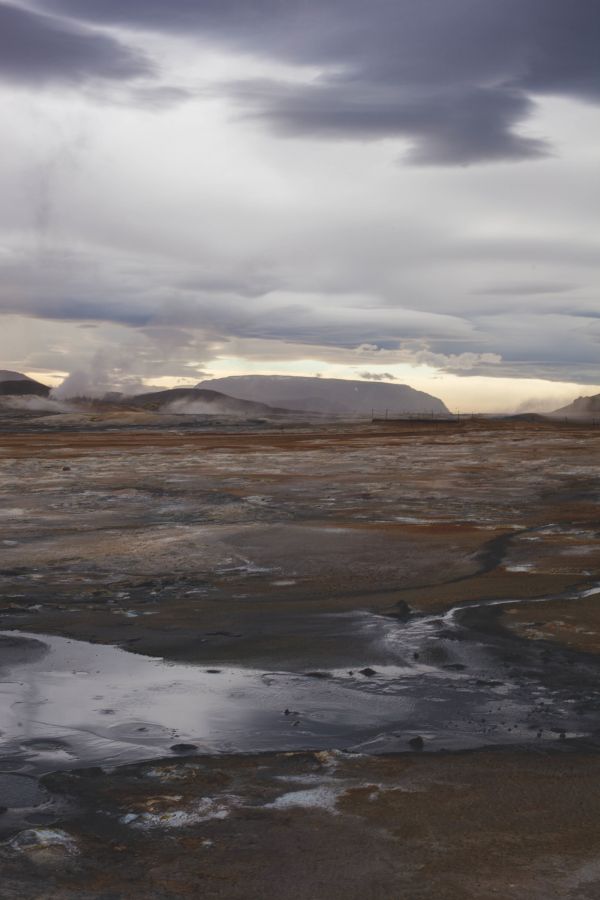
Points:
(221, 403)
(582, 408)
(13, 384)
(334, 396)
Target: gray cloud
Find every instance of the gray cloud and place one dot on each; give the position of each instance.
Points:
(457, 79)
(37, 49)
(377, 376)
(174, 326)
(451, 126)
(527, 288)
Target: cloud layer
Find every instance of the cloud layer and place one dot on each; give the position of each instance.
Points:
(455, 78)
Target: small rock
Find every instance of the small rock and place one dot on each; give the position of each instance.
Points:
(417, 743)
(128, 818)
(42, 843)
(317, 674)
(184, 748)
(402, 611)
(368, 672)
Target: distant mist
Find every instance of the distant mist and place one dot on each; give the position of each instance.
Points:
(198, 408)
(32, 403)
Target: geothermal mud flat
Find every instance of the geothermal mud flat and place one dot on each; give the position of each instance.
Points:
(344, 661)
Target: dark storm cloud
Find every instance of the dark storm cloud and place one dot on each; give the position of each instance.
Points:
(36, 49)
(451, 126)
(457, 78)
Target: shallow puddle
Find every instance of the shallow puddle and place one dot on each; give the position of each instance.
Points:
(64, 703)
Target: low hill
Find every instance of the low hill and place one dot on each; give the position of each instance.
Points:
(13, 384)
(199, 402)
(582, 408)
(328, 395)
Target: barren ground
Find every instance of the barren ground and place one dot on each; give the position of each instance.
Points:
(459, 564)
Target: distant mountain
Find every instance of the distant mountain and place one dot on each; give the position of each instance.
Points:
(13, 384)
(200, 402)
(582, 408)
(328, 395)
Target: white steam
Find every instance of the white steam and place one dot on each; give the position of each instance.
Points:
(106, 372)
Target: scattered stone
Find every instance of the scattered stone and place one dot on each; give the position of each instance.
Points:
(184, 748)
(213, 671)
(43, 843)
(417, 743)
(368, 672)
(318, 674)
(402, 611)
(128, 818)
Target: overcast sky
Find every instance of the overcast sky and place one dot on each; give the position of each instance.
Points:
(396, 189)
